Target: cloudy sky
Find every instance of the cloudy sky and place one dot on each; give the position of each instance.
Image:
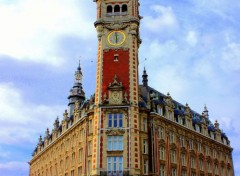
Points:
(192, 49)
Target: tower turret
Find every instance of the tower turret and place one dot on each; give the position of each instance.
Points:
(76, 93)
(145, 78)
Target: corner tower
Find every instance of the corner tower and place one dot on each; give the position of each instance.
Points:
(116, 97)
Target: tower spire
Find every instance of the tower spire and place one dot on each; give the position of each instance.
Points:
(76, 93)
(145, 78)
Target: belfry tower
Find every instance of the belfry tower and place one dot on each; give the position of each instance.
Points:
(116, 120)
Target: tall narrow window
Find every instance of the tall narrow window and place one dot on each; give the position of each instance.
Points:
(161, 132)
(191, 144)
(173, 171)
(145, 147)
(216, 169)
(89, 167)
(89, 147)
(201, 164)
(162, 153)
(72, 172)
(209, 167)
(145, 169)
(73, 159)
(159, 110)
(173, 156)
(192, 161)
(162, 170)
(199, 147)
(184, 173)
(183, 159)
(79, 171)
(171, 137)
(90, 126)
(80, 155)
(182, 141)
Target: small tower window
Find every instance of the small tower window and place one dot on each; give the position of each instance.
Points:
(124, 9)
(115, 57)
(109, 9)
(116, 9)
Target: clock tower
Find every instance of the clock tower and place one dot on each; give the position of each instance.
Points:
(116, 115)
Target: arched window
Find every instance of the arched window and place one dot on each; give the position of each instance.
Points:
(109, 9)
(116, 9)
(124, 9)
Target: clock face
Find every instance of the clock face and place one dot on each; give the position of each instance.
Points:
(116, 38)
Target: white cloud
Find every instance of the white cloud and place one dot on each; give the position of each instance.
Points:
(192, 38)
(165, 20)
(25, 119)
(30, 29)
(230, 60)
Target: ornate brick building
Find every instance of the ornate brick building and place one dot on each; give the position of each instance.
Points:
(126, 128)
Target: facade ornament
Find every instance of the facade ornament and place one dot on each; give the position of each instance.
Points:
(118, 132)
(65, 115)
(116, 26)
(56, 124)
(40, 140)
(168, 100)
(187, 110)
(47, 134)
(216, 125)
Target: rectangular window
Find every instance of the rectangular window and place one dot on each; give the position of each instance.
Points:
(90, 126)
(182, 141)
(115, 120)
(171, 137)
(80, 155)
(173, 156)
(72, 173)
(183, 159)
(145, 169)
(209, 167)
(199, 147)
(192, 161)
(173, 171)
(191, 144)
(201, 164)
(161, 132)
(214, 153)
(160, 110)
(79, 170)
(184, 173)
(73, 159)
(207, 151)
(144, 124)
(89, 168)
(197, 128)
(193, 174)
(162, 153)
(89, 147)
(115, 165)
(162, 170)
(145, 146)
(216, 169)
(66, 163)
(115, 143)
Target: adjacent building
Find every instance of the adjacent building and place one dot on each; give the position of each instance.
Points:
(126, 128)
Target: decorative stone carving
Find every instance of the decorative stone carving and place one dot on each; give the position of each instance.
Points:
(115, 132)
(116, 26)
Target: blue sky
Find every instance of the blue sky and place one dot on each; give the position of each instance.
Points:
(192, 50)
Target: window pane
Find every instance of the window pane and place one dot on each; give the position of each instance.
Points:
(120, 120)
(109, 120)
(115, 120)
